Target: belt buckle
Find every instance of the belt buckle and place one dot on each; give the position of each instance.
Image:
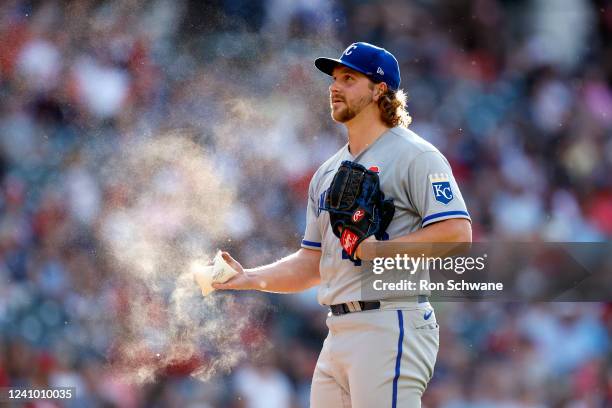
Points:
(353, 306)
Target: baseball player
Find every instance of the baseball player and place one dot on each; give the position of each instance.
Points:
(379, 352)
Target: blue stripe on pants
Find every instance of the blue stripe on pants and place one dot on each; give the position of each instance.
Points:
(398, 359)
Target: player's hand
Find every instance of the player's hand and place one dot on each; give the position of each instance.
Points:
(242, 281)
(366, 251)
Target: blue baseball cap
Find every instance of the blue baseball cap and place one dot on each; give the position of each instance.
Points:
(375, 62)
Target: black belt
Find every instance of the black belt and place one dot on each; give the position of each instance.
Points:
(350, 307)
(344, 308)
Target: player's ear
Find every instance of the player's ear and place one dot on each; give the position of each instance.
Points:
(379, 90)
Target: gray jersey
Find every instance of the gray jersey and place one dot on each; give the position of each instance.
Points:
(412, 172)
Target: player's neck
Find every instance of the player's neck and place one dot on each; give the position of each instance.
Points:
(364, 129)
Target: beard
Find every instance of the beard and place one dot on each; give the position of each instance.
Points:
(348, 110)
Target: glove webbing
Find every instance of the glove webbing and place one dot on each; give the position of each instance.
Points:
(351, 189)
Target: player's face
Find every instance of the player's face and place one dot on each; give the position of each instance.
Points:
(349, 93)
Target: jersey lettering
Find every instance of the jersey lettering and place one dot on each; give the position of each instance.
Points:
(321, 203)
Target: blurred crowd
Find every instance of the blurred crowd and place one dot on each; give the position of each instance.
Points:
(517, 95)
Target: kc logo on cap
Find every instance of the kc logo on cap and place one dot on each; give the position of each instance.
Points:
(349, 49)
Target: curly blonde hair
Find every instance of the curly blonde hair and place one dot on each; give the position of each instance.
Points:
(392, 105)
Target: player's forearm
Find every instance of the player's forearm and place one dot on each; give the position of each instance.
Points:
(294, 273)
(455, 230)
(440, 239)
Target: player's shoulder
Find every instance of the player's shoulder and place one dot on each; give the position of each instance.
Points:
(413, 149)
(405, 141)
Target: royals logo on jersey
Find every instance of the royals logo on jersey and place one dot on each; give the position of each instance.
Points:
(442, 190)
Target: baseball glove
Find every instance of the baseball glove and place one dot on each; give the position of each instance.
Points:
(357, 207)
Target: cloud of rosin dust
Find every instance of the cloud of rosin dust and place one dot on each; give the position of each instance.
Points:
(166, 207)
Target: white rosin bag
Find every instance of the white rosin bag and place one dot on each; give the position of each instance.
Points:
(205, 275)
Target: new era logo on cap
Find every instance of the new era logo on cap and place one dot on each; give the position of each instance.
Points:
(375, 62)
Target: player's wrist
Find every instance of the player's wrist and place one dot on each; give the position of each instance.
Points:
(253, 280)
(366, 250)
(358, 251)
